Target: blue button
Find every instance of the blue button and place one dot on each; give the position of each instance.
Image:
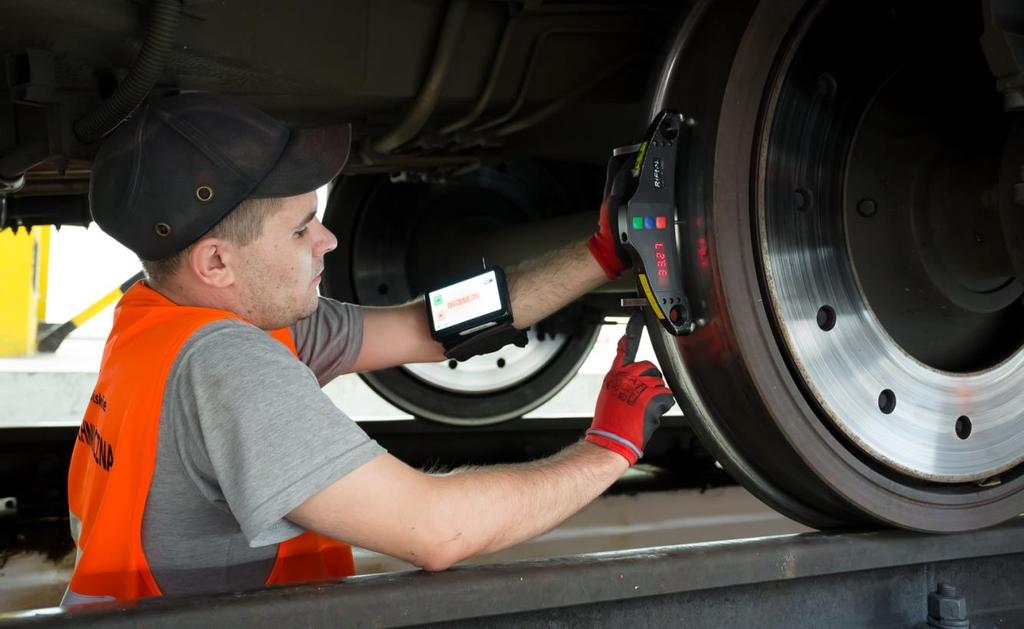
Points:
(649, 222)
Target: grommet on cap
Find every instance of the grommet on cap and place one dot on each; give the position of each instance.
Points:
(204, 193)
(162, 229)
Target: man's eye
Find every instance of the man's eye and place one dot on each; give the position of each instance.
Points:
(301, 233)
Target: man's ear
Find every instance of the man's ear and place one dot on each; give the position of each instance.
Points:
(209, 262)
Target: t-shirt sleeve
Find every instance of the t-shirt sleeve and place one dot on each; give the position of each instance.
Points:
(265, 433)
(330, 339)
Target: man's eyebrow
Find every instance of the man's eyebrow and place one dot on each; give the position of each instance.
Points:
(306, 219)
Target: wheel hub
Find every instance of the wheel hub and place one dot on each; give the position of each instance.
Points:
(399, 240)
(492, 372)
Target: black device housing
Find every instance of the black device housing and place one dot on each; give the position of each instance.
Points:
(655, 248)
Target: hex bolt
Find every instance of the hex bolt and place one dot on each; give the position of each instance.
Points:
(867, 207)
(946, 610)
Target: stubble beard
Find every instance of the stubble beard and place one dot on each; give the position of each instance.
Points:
(270, 309)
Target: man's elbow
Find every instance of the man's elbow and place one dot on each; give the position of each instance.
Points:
(434, 559)
(444, 551)
(444, 535)
(438, 563)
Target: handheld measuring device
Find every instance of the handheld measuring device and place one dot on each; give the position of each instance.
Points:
(647, 223)
(473, 316)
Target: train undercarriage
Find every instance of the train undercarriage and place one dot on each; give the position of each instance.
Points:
(855, 170)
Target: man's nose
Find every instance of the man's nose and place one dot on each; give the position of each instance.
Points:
(325, 241)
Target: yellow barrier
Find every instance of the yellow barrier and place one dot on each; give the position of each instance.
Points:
(21, 284)
(44, 270)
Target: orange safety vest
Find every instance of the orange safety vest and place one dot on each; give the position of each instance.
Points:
(115, 453)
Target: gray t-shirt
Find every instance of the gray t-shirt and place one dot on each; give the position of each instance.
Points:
(247, 435)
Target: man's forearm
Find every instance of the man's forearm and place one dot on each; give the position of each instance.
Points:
(503, 505)
(539, 287)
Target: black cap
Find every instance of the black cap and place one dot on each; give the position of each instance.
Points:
(181, 164)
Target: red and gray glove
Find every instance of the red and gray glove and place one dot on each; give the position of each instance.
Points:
(604, 244)
(633, 398)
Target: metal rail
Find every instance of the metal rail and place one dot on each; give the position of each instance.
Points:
(864, 579)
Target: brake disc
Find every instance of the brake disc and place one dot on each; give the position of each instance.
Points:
(888, 275)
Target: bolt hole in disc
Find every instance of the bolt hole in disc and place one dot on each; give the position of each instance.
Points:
(827, 85)
(802, 199)
(501, 363)
(826, 318)
(452, 364)
(887, 401)
(963, 427)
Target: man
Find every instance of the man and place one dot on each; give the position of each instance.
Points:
(209, 458)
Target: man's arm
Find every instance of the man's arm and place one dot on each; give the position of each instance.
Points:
(537, 288)
(541, 286)
(436, 521)
(396, 335)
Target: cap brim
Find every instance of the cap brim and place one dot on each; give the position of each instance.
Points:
(311, 159)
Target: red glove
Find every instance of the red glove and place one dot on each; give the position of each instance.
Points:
(604, 244)
(633, 398)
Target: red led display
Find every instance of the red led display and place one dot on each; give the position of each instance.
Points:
(661, 271)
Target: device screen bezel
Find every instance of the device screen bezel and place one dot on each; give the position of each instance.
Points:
(502, 315)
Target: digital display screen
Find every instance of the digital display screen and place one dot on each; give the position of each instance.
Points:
(660, 270)
(464, 301)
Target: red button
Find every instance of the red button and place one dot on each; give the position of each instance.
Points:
(660, 222)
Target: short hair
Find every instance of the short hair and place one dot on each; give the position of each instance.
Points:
(241, 226)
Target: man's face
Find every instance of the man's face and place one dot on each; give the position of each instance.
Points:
(279, 272)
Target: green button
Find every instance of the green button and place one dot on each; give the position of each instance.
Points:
(638, 222)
